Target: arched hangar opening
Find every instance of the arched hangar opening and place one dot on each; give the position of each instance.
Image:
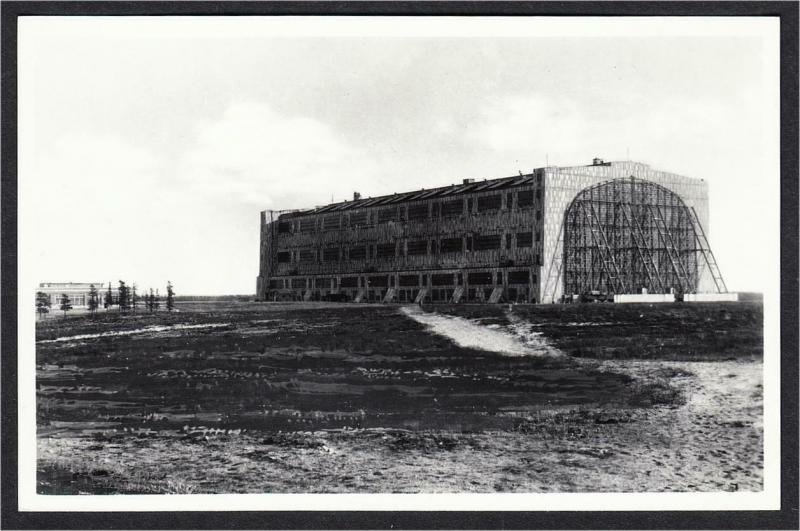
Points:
(626, 235)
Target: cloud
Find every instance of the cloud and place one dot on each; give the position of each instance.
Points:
(103, 174)
(256, 155)
(106, 208)
(92, 206)
(99, 208)
(523, 122)
(528, 126)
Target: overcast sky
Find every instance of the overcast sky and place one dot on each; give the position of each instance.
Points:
(148, 147)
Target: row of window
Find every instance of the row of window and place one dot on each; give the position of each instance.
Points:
(520, 294)
(482, 242)
(75, 300)
(521, 277)
(418, 212)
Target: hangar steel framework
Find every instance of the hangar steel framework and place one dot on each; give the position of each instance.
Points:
(625, 235)
(610, 227)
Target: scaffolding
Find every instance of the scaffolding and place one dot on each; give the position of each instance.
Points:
(629, 235)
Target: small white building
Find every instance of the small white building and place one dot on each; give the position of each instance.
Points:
(78, 292)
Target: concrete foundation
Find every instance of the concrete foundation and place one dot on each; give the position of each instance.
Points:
(711, 297)
(645, 297)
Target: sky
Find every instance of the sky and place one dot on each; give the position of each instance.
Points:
(148, 147)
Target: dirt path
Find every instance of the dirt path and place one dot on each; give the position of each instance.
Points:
(521, 341)
(714, 441)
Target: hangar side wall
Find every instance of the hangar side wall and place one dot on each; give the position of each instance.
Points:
(562, 184)
(484, 235)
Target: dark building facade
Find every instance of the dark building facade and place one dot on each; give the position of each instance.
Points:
(495, 240)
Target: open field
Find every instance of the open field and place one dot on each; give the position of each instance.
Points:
(690, 332)
(322, 397)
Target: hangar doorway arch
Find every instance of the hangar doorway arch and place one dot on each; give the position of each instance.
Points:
(626, 235)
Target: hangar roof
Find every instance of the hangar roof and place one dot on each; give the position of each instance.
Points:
(445, 191)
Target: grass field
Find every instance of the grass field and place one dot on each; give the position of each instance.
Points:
(321, 397)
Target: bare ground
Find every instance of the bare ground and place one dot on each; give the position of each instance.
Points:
(555, 423)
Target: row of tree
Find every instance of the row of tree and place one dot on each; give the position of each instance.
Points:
(127, 300)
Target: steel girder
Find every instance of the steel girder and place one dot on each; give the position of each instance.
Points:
(629, 234)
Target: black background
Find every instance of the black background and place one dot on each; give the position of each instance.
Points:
(786, 518)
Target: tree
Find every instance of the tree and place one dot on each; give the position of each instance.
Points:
(134, 297)
(156, 301)
(123, 295)
(150, 301)
(66, 305)
(109, 300)
(42, 303)
(94, 299)
(170, 297)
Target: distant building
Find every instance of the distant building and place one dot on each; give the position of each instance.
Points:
(78, 293)
(596, 230)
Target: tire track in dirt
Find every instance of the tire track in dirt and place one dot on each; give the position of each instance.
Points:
(146, 330)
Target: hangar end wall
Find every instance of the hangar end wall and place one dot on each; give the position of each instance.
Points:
(562, 184)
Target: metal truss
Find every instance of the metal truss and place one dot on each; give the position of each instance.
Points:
(626, 235)
(642, 245)
(556, 265)
(708, 256)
